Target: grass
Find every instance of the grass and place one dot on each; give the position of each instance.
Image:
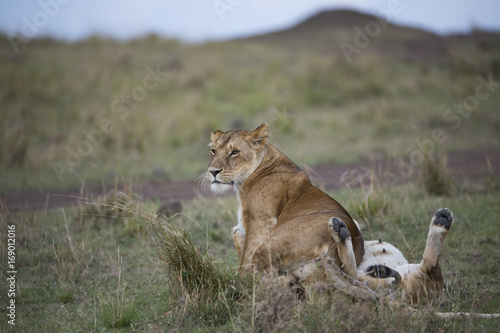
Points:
(208, 290)
(84, 271)
(434, 174)
(374, 197)
(69, 114)
(115, 312)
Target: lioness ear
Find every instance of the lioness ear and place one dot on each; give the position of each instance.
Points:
(259, 136)
(216, 135)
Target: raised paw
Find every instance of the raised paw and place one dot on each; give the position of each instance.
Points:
(443, 217)
(340, 228)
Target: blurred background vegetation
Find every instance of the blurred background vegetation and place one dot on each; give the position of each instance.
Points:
(322, 108)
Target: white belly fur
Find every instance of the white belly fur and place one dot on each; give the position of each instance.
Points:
(381, 253)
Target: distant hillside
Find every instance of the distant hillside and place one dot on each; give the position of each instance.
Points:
(332, 19)
(327, 30)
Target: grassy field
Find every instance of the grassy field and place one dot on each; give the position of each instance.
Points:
(88, 112)
(78, 115)
(87, 269)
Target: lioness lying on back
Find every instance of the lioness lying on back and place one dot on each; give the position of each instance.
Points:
(384, 266)
(287, 224)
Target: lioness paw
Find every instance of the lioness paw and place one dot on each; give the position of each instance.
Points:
(384, 272)
(380, 271)
(339, 228)
(237, 230)
(444, 218)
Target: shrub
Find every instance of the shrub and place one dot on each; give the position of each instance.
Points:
(434, 174)
(375, 199)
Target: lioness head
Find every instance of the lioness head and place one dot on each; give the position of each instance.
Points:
(235, 155)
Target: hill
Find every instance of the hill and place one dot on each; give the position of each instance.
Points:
(329, 30)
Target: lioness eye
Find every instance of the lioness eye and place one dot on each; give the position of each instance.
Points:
(235, 153)
(213, 151)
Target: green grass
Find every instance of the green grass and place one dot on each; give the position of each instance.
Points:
(83, 271)
(320, 108)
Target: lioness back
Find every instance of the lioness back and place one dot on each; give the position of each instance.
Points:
(298, 198)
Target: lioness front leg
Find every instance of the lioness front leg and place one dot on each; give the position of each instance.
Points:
(255, 247)
(342, 237)
(238, 234)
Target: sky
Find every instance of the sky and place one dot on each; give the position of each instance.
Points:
(203, 20)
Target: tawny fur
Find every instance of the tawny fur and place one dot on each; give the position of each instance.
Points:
(416, 281)
(282, 219)
(286, 224)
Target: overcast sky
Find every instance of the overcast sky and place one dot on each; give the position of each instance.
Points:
(201, 20)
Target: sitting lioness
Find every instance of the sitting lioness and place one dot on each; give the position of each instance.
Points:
(283, 218)
(287, 224)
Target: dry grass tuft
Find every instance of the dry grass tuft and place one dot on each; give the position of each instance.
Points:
(273, 304)
(202, 290)
(190, 270)
(434, 174)
(116, 312)
(205, 291)
(491, 182)
(374, 200)
(15, 145)
(276, 307)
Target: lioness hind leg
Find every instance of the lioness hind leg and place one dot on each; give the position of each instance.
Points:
(439, 228)
(342, 237)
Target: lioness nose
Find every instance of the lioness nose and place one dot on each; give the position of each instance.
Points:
(215, 172)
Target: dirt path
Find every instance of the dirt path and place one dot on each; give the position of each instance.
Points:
(471, 166)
